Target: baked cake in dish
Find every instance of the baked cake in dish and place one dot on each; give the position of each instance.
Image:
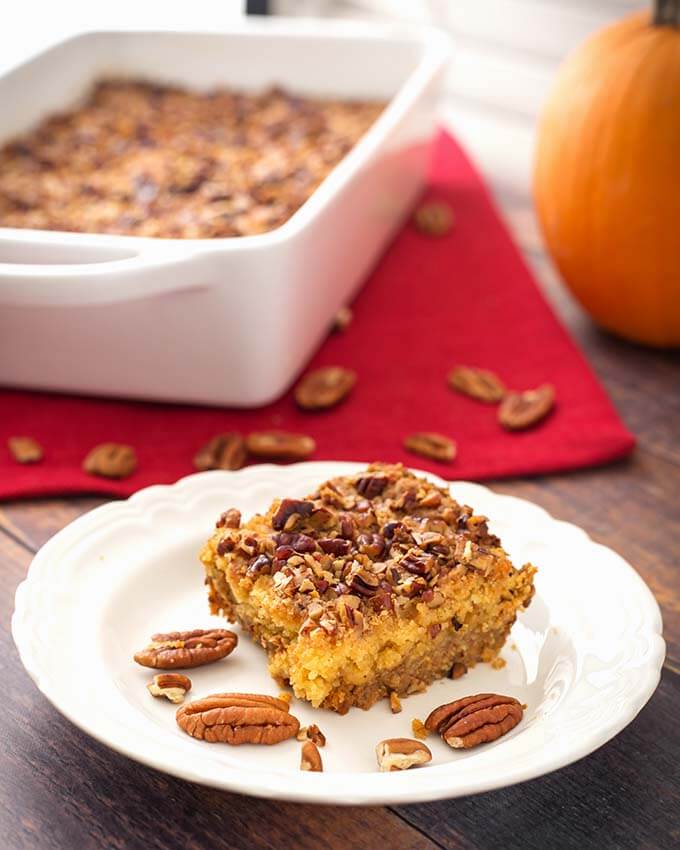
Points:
(374, 583)
(142, 159)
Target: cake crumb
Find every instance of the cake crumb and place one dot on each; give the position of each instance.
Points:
(498, 663)
(420, 731)
(284, 696)
(395, 702)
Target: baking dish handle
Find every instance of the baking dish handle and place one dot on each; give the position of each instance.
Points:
(103, 274)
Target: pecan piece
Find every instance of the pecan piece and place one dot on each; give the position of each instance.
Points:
(225, 451)
(476, 383)
(522, 410)
(459, 669)
(289, 508)
(187, 649)
(364, 583)
(238, 719)
(310, 758)
(334, 545)
(433, 218)
(229, 519)
(419, 729)
(401, 754)
(371, 544)
(280, 445)
(25, 449)
(428, 444)
(474, 720)
(324, 388)
(395, 702)
(111, 460)
(172, 686)
(371, 486)
(312, 733)
(343, 319)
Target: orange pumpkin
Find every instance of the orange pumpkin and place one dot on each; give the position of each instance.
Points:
(607, 175)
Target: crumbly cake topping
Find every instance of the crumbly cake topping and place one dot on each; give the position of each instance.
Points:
(150, 160)
(360, 545)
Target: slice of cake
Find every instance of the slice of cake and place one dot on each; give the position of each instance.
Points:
(375, 583)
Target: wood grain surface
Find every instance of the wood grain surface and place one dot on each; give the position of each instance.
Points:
(60, 790)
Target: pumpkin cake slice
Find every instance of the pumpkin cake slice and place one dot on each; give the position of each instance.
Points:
(375, 583)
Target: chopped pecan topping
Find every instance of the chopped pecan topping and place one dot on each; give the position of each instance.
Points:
(434, 218)
(476, 383)
(187, 649)
(324, 388)
(238, 719)
(401, 754)
(395, 702)
(431, 445)
(280, 445)
(111, 460)
(262, 565)
(371, 486)
(225, 451)
(334, 545)
(474, 720)
(310, 758)
(290, 508)
(148, 160)
(25, 449)
(337, 558)
(172, 686)
(229, 519)
(522, 410)
(364, 583)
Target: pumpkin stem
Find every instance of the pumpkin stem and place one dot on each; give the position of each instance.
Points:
(666, 13)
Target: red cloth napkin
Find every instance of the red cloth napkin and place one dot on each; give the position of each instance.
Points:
(466, 298)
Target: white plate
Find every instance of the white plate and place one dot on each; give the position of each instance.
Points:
(585, 656)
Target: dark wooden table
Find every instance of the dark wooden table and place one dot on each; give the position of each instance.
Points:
(60, 789)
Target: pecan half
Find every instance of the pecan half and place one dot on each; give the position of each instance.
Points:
(522, 410)
(401, 754)
(238, 719)
(172, 686)
(324, 388)
(476, 383)
(25, 449)
(111, 460)
(187, 649)
(225, 451)
(429, 444)
(343, 319)
(475, 720)
(433, 218)
(310, 758)
(280, 445)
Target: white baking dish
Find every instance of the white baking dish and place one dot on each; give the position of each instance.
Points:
(220, 321)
